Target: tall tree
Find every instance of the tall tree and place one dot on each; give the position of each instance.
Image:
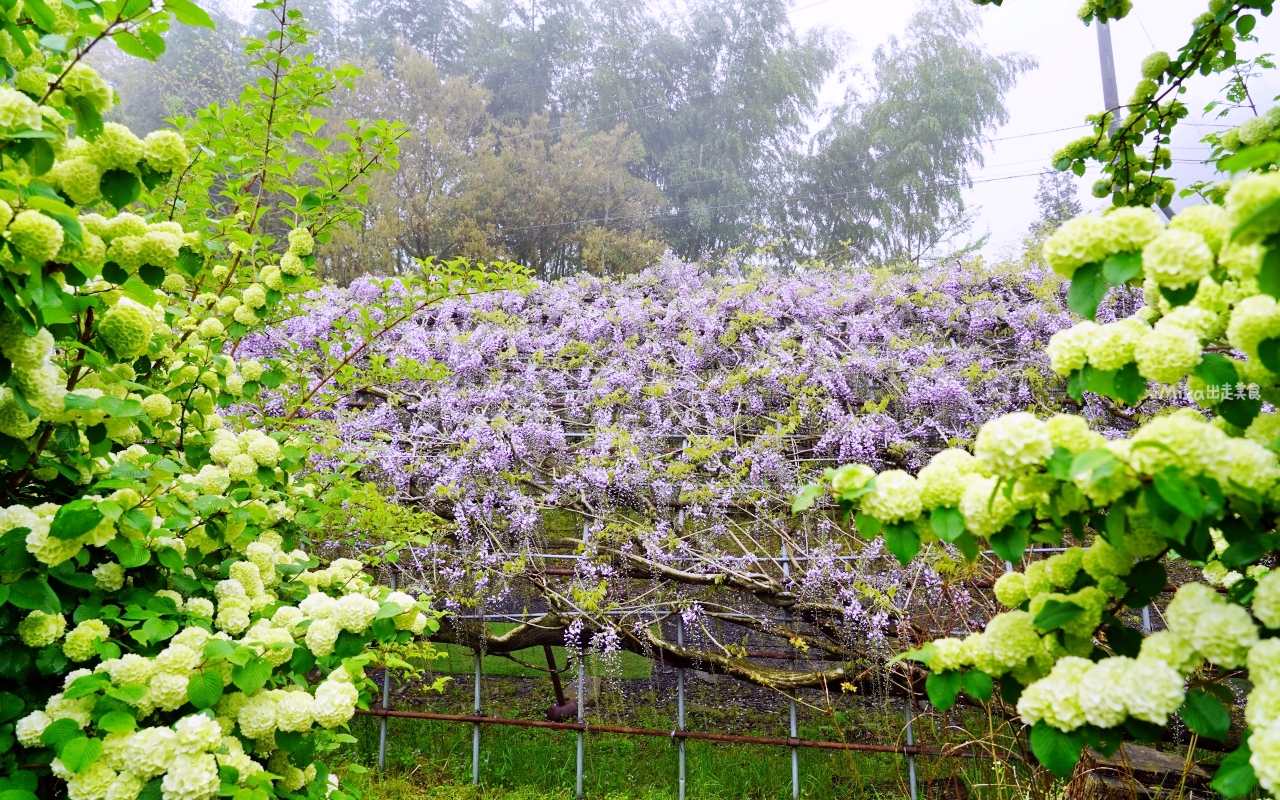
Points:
(720, 101)
(436, 29)
(469, 186)
(199, 67)
(522, 50)
(1058, 200)
(885, 178)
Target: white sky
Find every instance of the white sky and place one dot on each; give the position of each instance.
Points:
(1066, 86)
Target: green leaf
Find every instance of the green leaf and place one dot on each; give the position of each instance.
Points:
(130, 554)
(218, 648)
(86, 685)
(351, 644)
(1144, 731)
(120, 188)
(88, 120)
(1104, 740)
(1269, 273)
(157, 630)
(979, 685)
(1009, 543)
(15, 662)
(117, 722)
(1076, 386)
(1204, 715)
(252, 676)
(1264, 154)
(33, 593)
(805, 499)
(303, 661)
(205, 689)
(1099, 381)
(1269, 353)
(903, 540)
(80, 753)
(75, 519)
(151, 275)
(272, 378)
(1125, 641)
(866, 525)
(1056, 613)
(1248, 551)
(1180, 296)
(188, 13)
(1095, 464)
(134, 46)
(1244, 24)
(947, 523)
(41, 157)
(1120, 268)
(1146, 581)
(59, 732)
(1129, 386)
(942, 688)
(1087, 290)
(288, 741)
(154, 790)
(190, 262)
(11, 706)
(1178, 493)
(41, 15)
(1235, 776)
(1239, 411)
(1216, 369)
(389, 609)
(19, 38)
(1056, 750)
(51, 660)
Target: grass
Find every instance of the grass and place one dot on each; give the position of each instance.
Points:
(431, 759)
(428, 759)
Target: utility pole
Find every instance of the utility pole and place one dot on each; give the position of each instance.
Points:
(1107, 60)
(1110, 91)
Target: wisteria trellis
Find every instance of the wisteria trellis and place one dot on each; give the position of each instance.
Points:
(660, 424)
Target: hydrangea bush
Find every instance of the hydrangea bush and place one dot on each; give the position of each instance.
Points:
(1200, 484)
(166, 633)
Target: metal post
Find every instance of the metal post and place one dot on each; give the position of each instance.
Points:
(1110, 90)
(911, 758)
(795, 751)
(1107, 61)
(475, 733)
(1146, 619)
(386, 704)
(582, 701)
(680, 704)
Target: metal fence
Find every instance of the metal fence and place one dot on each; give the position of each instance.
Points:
(679, 734)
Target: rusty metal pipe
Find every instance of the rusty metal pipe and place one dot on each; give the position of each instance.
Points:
(676, 734)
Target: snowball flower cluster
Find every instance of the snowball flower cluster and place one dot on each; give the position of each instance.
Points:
(1012, 444)
(1220, 631)
(1105, 693)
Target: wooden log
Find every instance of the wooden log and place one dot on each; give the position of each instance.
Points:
(1134, 771)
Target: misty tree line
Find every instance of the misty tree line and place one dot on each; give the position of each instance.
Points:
(596, 134)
